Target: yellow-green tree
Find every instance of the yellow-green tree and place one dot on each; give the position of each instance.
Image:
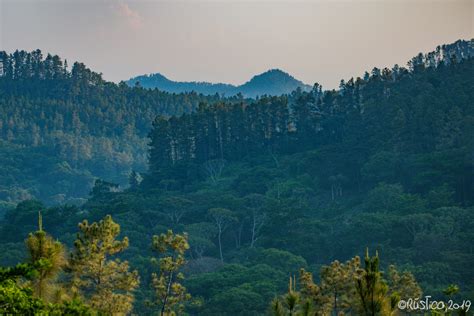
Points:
(402, 285)
(371, 289)
(106, 283)
(170, 293)
(296, 303)
(347, 289)
(337, 285)
(47, 257)
(313, 294)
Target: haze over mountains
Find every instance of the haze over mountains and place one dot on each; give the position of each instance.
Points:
(263, 188)
(271, 82)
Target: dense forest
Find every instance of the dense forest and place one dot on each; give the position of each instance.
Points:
(60, 129)
(264, 197)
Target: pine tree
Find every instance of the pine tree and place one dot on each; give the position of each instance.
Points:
(337, 283)
(170, 293)
(401, 286)
(160, 145)
(313, 294)
(403, 283)
(47, 258)
(293, 303)
(347, 288)
(106, 283)
(371, 288)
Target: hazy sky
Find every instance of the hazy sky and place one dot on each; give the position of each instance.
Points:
(229, 41)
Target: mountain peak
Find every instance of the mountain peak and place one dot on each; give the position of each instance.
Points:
(271, 82)
(275, 71)
(275, 75)
(154, 77)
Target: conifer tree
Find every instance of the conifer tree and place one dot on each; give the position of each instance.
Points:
(19, 298)
(170, 293)
(404, 283)
(106, 283)
(47, 258)
(294, 303)
(371, 288)
(315, 303)
(347, 288)
(160, 151)
(337, 284)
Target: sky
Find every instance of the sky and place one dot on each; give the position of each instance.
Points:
(231, 40)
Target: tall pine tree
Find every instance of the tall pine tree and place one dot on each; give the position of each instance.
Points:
(106, 283)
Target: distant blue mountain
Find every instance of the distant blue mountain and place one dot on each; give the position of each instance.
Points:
(271, 82)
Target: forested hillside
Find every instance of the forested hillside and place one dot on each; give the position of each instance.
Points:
(264, 188)
(62, 128)
(271, 82)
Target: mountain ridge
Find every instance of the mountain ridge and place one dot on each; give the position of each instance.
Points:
(271, 82)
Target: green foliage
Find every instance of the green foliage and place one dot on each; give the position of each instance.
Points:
(387, 198)
(251, 286)
(24, 287)
(20, 270)
(337, 285)
(269, 185)
(276, 258)
(402, 286)
(239, 300)
(451, 290)
(48, 258)
(200, 237)
(170, 293)
(371, 288)
(347, 288)
(106, 283)
(18, 301)
(74, 307)
(61, 127)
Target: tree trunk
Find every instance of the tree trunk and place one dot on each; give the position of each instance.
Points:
(252, 242)
(220, 244)
(165, 301)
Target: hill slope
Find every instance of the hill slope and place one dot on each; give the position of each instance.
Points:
(61, 128)
(272, 82)
(385, 163)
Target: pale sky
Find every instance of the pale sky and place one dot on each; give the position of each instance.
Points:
(229, 41)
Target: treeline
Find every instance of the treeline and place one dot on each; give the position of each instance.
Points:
(80, 126)
(75, 123)
(386, 166)
(396, 115)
